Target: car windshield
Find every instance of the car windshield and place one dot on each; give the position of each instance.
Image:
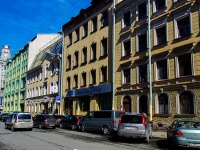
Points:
(24, 116)
(131, 119)
(189, 124)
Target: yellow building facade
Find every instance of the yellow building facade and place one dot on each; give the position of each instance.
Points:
(175, 57)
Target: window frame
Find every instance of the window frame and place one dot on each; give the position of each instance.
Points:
(138, 73)
(104, 48)
(123, 18)
(104, 74)
(123, 49)
(157, 106)
(94, 24)
(155, 8)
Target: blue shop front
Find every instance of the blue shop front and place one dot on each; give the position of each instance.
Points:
(80, 101)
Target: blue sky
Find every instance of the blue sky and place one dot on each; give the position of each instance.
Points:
(21, 20)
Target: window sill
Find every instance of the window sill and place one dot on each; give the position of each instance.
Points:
(76, 41)
(68, 69)
(83, 85)
(103, 26)
(75, 87)
(84, 37)
(92, 60)
(103, 56)
(92, 83)
(102, 82)
(74, 67)
(69, 45)
(162, 115)
(185, 115)
(160, 45)
(83, 64)
(93, 32)
(183, 37)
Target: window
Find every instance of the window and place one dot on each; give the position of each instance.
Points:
(51, 88)
(142, 42)
(45, 89)
(143, 104)
(142, 11)
(163, 104)
(183, 26)
(93, 77)
(36, 91)
(52, 69)
(40, 91)
(104, 47)
(93, 51)
(85, 103)
(184, 66)
(126, 19)
(84, 55)
(46, 70)
(76, 59)
(105, 18)
(186, 103)
(70, 39)
(77, 35)
(126, 76)
(69, 83)
(161, 35)
(126, 49)
(40, 74)
(143, 73)
(103, 74)
(84, 79)
(69, 62)
(85, 30)
(94, 24)
(75, 81)
(161, 69)
(159, 5)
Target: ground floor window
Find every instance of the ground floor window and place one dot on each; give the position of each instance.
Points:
(105, 102)
(143, 105)
(186, 102)
(163, 104)
(85, 103)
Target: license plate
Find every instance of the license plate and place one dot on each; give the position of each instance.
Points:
(131, 128)
(194, 145)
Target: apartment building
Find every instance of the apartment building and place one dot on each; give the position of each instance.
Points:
(43, 80)
(16, 68)
(87, 68)
(175, 64)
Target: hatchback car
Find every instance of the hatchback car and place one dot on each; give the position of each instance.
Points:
(19, 121)
(4, 116)
(184, 133)
(71, 121)
(44, 120)
(59, 118)
(135, 125)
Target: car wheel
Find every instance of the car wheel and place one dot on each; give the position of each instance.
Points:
(12, 128)
(73, 127)
(82, 128)
(30, 129)
(40, 126)
(106, 130)
(61, 126)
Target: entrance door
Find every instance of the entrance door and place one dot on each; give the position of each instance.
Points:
(127, 104)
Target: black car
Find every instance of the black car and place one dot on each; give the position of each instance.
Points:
(71, 121)
(59, 118)
(4, 116)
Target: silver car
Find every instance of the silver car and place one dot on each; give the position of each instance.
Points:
(19, 121)
(135, 125)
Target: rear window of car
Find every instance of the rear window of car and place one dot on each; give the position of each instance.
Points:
(24, 116)
(131, 119)
(118, 114)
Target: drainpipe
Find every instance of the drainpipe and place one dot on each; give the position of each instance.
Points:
(149, 66)
(113, 55)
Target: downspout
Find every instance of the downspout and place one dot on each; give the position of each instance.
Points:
(113, 56)
(60, 73)
(149, 65)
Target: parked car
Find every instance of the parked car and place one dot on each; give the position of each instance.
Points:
(71, 121)
(19, 121)
(4, 116)
(59, 118)
(44, 120)
(135, 125)
(184, 133)
(103, 120)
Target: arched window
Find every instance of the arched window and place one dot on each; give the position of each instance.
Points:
(186, 103)
(143, 107)
(127, 104)
(163, 104)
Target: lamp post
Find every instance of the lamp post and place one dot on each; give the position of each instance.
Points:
(149, 58)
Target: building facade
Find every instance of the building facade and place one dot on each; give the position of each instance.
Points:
(175, 64)
(87, 68)
(5, 54)
(43, 80)
(16, 68)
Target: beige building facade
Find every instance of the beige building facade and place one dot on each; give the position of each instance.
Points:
(43, 80)
(87, 67)
(175, 57)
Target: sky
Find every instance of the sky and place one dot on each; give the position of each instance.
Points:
(22, 20)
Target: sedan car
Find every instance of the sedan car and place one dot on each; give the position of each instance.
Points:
(59, 118)
(184, 133)
(4, 116)
(135, 125)
(44, 120)
(71, 121)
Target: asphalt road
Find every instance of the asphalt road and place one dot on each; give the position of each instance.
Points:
(66, 139)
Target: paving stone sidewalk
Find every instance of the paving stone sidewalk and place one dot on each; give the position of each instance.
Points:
(159, 134)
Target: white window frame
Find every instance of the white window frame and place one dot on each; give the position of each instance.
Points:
(46, 71)
(124, 12)
(40, 74)
(158, 26)
(123, 78)
(140, 33)
(138, 74)
(102, 47)
(156, 68)
(51, 87)
(137, 10)
(181, 15)
(157, 103)
(123, 41)
(154, 5)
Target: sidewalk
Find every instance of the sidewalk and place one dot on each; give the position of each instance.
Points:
(159, 134)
